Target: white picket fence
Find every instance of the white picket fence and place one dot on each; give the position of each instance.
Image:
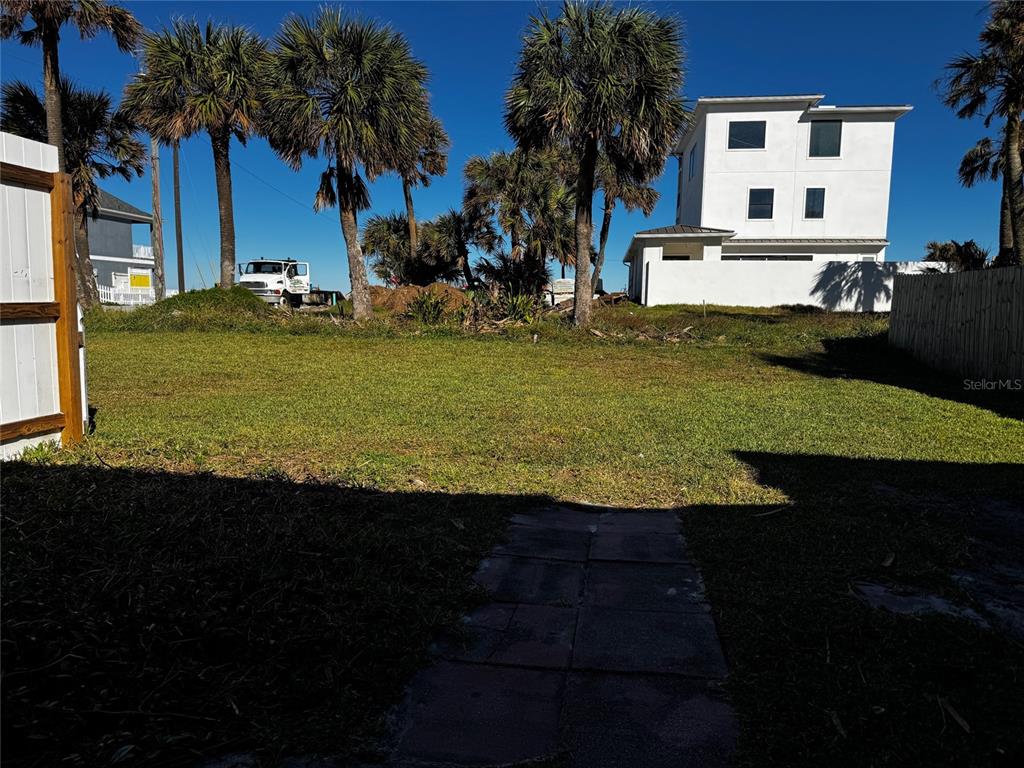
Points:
(131, 298)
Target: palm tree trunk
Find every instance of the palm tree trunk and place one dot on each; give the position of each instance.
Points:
(606, 225)
(88, 294)
(467, 272)
(584, 233)
(156, 230)
(410, 215)
(51, 96)
(362, 308)
(1014, 172)
(221, 141)
(177, 221)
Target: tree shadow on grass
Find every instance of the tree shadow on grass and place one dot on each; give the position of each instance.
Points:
(158, 616)
(820, 678)
(872, 359)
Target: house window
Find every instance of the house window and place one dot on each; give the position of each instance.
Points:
(761, 203)
(814, 203)
(693, 160)
(826, 138)
(746, 134)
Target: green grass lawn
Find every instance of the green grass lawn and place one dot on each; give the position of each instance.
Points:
(395, 453)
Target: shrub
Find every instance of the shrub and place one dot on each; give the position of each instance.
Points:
(520, 307)
(428, 308)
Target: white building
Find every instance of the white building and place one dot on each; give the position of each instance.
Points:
(772, 179)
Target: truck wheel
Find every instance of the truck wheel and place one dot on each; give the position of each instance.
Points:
(284, 302)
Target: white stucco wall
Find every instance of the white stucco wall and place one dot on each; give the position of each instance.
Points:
(856, 184)
(690, 203)
(835, 285)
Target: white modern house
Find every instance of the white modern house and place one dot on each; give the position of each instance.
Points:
(771, 179)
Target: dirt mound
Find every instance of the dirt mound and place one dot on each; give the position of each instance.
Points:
(397, 300)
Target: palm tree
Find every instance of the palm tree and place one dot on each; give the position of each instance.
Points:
(453, 233)
(430, 159)
(202, 80)
(497, 186)
(98, 143)
(618, 187)
(349, 90)
(529, 196)
(984, 161)
(593, 77)
(47, 17)
(991, 84)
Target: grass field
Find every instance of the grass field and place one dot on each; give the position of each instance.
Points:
(390, 457)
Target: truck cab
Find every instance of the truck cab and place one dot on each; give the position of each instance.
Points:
(277, 281)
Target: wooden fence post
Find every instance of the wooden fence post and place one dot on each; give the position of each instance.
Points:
(65, 293)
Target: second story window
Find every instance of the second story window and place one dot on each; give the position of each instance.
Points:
(814, 203)
(826, 138)
(693, 161)
(761, 204)
(746, 134)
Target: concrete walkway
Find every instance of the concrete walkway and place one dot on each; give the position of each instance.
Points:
(597, 650)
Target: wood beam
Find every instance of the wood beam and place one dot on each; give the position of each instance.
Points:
(26, 177)
(37, 425)
(65, 292)
(29, 310)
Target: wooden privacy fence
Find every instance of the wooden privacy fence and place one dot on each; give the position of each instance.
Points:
(40, 376)
(965, 323)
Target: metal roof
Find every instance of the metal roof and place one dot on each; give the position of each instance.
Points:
(685, 229)
(118, 208)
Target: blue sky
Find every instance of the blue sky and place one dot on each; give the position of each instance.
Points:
(855, 53)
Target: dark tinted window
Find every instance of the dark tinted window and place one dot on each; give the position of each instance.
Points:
(760, 204)
(826, 138)
(814, 203)
(746, 134)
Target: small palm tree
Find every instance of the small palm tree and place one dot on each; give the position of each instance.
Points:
(598, 76)
(497, 185)
(47, 17)
(453, 233)
(99, 142)
(991, 84)
(430, 159)
(618, 187)
(349, 90)
(195, 80)
(955, 256)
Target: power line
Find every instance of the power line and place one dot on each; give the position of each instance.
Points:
(234, 161)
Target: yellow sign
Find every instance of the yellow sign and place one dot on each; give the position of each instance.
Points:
(136, 280)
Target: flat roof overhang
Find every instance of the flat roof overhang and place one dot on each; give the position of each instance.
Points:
(708, 234)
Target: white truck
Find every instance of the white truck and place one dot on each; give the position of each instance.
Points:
(284, 282)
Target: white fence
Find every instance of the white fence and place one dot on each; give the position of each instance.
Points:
(42, 378)
(969, 323)
(133, 297)
(843, 286)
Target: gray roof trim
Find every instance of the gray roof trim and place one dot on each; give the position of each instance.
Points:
(809, 241)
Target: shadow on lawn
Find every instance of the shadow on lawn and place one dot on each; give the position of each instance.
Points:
(153, 618)
(871, 358)
(820, 678)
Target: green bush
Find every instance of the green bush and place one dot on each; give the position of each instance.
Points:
(519, 307)
(428, 308)
(211, 309)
